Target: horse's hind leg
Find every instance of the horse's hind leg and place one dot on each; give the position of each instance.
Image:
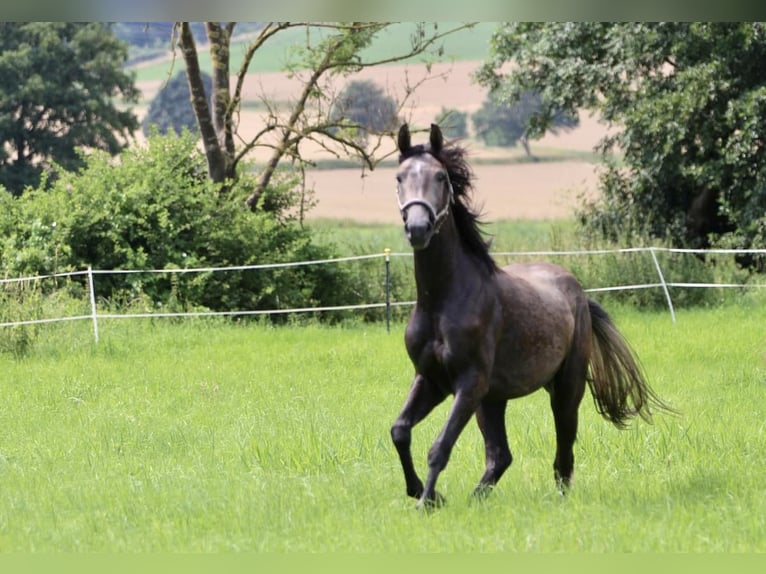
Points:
(566, 394)
(421, 400)
(491, 419)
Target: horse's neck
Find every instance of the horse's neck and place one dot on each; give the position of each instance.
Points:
(440, 266)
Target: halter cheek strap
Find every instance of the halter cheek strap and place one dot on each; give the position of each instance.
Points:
(437, 217)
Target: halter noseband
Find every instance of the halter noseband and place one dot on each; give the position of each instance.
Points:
(437, 217)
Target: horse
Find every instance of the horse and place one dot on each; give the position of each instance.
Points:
(486, 335)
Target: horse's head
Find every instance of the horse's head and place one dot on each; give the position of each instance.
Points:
(423, 187)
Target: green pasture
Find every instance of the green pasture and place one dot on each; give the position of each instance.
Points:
(214, 436)
(274, 56)
(356, 238)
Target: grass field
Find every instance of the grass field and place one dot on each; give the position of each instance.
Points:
(203, 436)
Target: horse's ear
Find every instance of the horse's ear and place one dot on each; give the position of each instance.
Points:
(403, 141)
(436, 140)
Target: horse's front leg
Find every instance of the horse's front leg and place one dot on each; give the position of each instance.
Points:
(421, 400)
(467, 400)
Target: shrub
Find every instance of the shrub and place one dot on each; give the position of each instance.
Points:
(156, 209)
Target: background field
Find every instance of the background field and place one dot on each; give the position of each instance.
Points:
(507, 185)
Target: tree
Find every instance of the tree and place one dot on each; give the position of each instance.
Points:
(498, 123)
(171, 108)
(329, 52)
(453, 123)
(363, 108)
(688, 104)
(60, 83)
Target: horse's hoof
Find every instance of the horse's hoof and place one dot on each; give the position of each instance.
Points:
(563, 483)
(482, 491)
(430, 504)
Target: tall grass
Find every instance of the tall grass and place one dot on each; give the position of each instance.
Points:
(594, 271)
(202, 436)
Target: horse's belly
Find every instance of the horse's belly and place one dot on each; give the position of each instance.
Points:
(507, 386)
(521, 372)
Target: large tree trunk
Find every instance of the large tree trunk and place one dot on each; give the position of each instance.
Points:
(218, 163)
(220, 41)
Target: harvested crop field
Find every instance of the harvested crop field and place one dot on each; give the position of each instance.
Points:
(513, 191)
(506, 188)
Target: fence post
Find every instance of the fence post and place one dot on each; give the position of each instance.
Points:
(387, 253)
(93, 313)
(664, 285)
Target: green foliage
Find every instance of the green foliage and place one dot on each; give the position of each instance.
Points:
(453, 123)
(608, 267)
(157, 210)
(59, 87)
(171, 108)
(638, 269)
(688, 101)
(353, 239)
(330, 47)
(504, 124)
(363, 108)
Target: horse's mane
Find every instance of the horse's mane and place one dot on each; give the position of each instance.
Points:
(467, 219)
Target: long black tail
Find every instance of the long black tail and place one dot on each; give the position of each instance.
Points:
(616, 379)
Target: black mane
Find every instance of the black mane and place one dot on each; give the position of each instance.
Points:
(467, 220)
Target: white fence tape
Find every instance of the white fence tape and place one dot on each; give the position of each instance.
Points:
(95, 316)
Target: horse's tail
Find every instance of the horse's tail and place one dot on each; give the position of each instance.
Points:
(616, 379)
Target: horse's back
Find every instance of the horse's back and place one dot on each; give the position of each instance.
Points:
(546, 284)
(545, 275)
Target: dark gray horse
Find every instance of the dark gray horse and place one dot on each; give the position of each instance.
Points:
(487, 335)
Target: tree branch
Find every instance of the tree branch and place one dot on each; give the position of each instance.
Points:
(267, 32)
(333, 61)
(300, 106)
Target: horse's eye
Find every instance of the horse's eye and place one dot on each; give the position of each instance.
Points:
(441, 176)
(399, 178)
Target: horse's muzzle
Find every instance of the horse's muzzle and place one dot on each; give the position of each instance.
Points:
(418, 226)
